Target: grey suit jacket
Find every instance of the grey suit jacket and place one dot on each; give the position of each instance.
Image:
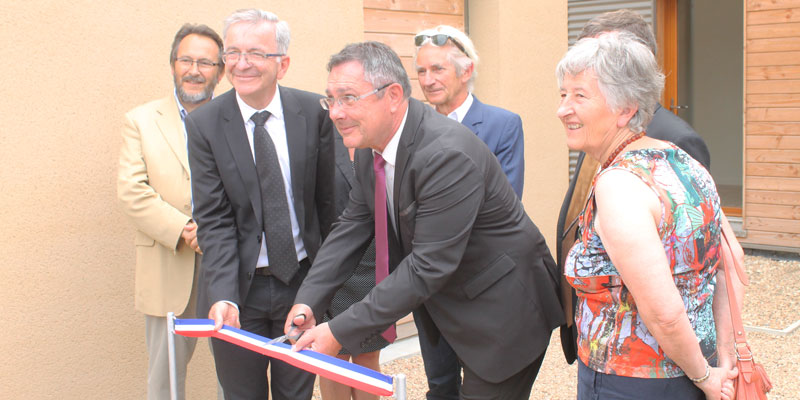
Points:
(226, 191)
(465, 253)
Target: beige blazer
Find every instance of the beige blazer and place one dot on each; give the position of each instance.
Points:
(153, 189)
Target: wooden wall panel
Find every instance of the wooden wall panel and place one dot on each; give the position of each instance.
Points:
(772, 31)
(773, 44)
(771, 197)
(773, 58)
(775, 211)
(425, 6)
(773, 114)
(774, 100)
(773, 16)
(773, 142)
(759, 5)
(771, 238)
(772, 128)
(791, 170)
(395, 22)
(773, 156)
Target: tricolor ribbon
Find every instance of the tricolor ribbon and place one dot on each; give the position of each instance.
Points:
(337, 370)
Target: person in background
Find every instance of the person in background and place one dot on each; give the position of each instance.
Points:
(153, 189)
(652, 311)
(445, 61)
(664, 126)
(262, 182)
(354, 289)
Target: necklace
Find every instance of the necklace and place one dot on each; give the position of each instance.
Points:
(624, 144)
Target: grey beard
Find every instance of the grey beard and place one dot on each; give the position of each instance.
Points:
(194, 98)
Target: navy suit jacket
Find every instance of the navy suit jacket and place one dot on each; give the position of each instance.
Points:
(501, 130)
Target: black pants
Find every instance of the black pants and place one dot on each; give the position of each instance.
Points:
(243, 373)
(517, 387)
(593, 385)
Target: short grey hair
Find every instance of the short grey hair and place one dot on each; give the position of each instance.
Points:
(621, 20)
(256, 16)
(626, 70)
(460, 60)
(381, 64)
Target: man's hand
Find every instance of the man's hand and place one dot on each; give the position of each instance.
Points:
(302, 316)
(319, 339)
(189, 236)
(224, 313)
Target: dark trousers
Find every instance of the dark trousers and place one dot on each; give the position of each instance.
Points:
(517, 387)
(441, 366)
(243, 373)
(593, 385)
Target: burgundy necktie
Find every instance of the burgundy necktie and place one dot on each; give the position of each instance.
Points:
(381, 232)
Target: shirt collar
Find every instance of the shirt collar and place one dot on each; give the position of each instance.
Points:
(275, 107)
(181, 109)
(459, 113)
(390, 151)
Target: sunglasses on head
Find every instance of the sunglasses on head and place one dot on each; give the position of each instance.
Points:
(439, 40)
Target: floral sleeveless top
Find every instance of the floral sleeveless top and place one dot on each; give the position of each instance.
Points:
(612, 338)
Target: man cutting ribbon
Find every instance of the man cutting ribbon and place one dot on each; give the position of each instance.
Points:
(461, 249)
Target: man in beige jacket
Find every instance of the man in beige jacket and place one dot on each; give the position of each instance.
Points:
(154, 191)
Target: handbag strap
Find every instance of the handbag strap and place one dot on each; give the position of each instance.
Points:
(743, 352)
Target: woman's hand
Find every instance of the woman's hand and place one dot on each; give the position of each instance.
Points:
(719, 384)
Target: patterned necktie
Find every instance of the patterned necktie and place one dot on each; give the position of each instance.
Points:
(275, 208)
(381, 232)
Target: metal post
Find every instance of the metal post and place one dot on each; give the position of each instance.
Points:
(173, 380)
(400, 387)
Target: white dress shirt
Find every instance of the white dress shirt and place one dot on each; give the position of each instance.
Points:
(459, 113)
(276, 128)
(389, 154)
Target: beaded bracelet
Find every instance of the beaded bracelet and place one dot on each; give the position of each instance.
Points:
(704, 377)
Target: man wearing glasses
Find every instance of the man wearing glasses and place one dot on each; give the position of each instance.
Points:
(459, 247)
(154, 191)
(262, 163)
(445, 62)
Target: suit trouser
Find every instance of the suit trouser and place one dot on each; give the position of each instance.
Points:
(442, 367)
(158, 351)
(243, 373)
(517, 387)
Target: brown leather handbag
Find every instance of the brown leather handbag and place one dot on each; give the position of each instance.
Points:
(752, 383)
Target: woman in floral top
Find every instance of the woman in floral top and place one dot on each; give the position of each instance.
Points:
(645, 264)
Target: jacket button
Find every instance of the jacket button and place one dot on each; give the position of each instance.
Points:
(258, 238)
(249, 276)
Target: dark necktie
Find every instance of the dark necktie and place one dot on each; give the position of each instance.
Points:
(381, 232)
(275, 209)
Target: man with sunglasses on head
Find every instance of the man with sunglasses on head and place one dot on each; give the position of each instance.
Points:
(262, 162)
(154, 191)
(445, 62)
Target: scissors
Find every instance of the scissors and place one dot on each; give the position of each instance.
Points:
(291, 335)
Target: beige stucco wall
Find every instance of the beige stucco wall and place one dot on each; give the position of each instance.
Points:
(72, 69)
(519, 43)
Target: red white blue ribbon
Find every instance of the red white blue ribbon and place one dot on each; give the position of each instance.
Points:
(337, 370)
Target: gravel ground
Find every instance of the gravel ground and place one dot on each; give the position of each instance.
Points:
(771, 301)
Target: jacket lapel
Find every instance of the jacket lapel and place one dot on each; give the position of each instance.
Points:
(474, 118)
(404, 150)
(171, 127)
(236, 135)
(296, 135)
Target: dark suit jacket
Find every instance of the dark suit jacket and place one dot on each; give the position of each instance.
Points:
(227, 195)
(501, 130)
(664, 126)
(467, 256)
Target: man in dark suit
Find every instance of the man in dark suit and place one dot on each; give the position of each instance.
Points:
(664, 126)
(461, 250)
(445, 61)
(261, 158)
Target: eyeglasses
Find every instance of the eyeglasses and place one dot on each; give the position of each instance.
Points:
(203, 63)
(439, 40)
(253, 57)
(348, 101)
